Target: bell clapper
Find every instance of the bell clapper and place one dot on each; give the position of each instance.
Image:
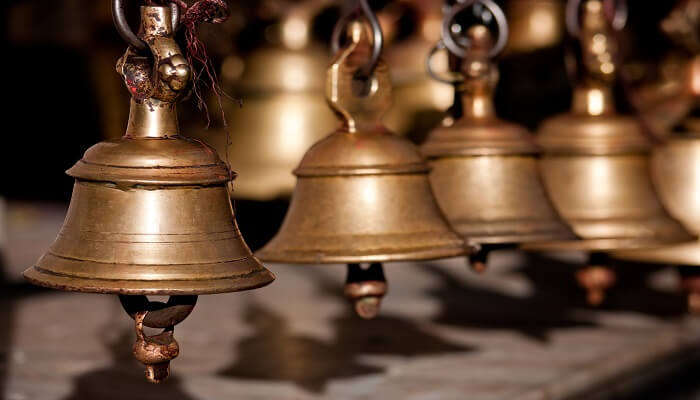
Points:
(365, 288)
(478, 261)
(596, 277)
(690, 284)
(156, 351)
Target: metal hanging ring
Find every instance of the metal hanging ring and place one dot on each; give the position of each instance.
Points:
(125, 31)
(461, 50)
(377, 35)
(159, 314)
(431, 72)
(617, 17)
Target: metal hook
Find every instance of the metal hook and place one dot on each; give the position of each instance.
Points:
(124, 30)
(617, 17)
(461, 50)
(362, 7)
(457, 77)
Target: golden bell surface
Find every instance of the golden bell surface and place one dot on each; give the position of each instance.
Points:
(484, 170)
(283, 112)
(362, 193)
(596, 166)
(534, 24)
(150, 212)
(418, 102)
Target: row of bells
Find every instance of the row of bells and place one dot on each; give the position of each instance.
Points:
(152, 214)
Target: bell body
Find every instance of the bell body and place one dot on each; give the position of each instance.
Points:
(150, 214)
(283, 113)
(484, 176)
(596, 171)
(676, 172)
(362, 197)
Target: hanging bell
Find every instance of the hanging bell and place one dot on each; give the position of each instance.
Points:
(484, 170)
(535, 24)
(419, 101)
(283, 111)
(595, 165)
(150, 213)
(362, 193)
(675, 168)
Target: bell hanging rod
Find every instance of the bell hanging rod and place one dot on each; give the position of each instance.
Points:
(615, 10)
(354, 9)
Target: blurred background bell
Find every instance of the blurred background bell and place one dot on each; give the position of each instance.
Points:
(283, 111)
(484, 170)
(595, 164)
(534, 24)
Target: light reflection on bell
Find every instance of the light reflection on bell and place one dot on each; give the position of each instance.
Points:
(534, 24)
(595, 165)
(484, 170)
(418, 102)
(283, 111)
(362, 193)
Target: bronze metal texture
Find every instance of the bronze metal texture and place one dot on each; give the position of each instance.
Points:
(362, 193)
(156, 351)
(418, 102)
(484, 170)
(534, 24)
(595, 164)
(283, 112)
(150, 213)
(365, 289)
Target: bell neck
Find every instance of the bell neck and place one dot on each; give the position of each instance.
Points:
(480, 77)
(477, 103)
(593, 100)
(152, 119)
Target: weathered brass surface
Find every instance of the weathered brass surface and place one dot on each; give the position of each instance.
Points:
(484, 170)
(418, 102)
(595, 165)
(362, 193)
(150, 212)
(284, 111)
(155, 352)
(534, 24)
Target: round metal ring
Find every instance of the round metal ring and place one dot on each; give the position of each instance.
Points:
(125, 31)
(377, 34)
(159, 314)
(431, 72)
(617, 17)
(501, 22)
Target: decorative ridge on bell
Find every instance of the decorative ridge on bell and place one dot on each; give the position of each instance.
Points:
(362, 193)
(150, 213)
(484, 170)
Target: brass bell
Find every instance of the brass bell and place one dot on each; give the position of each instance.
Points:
(534, 24)
(362, 193)
(484, 170)
(419, 101)
(283, 111)
(150, 213)
(675, 167)
(595, 164)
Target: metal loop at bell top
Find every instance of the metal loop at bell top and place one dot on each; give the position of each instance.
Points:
(618, 17)
(362, 7)
(454, 77)
(461, 50)
(125, 31)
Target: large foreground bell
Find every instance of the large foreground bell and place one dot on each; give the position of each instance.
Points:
(595, 165)
(283, 112)
(484, 170)
(150, 212)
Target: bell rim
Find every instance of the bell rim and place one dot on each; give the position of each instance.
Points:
(254, 280)
(515, 238)
(602, 244)
(678, 254)
(313, 257)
